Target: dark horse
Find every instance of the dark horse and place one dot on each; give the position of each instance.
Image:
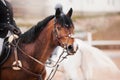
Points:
(35, 46)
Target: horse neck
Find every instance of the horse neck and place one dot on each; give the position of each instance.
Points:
(41, 48)
(44, 43)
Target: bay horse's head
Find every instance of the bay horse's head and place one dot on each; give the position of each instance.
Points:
(64, 29)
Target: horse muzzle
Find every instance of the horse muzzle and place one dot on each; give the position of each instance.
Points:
(72, 49)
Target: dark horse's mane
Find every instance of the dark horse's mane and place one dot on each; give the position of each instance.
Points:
(32, 34)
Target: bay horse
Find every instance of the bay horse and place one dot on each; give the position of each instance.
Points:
(35, 46)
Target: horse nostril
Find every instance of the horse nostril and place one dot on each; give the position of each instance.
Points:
(70, 47)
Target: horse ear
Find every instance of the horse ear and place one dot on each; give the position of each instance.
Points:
(69, 14)
(58, 12)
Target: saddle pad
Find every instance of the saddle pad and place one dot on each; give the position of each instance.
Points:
(5, 52)
(1, 44)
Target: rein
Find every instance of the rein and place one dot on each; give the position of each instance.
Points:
(57, 37)
(54, 67)
(17, 63)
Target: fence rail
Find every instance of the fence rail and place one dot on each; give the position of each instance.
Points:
(92, 42)
(105, 42)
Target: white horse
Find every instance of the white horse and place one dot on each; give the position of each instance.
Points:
(89, 63)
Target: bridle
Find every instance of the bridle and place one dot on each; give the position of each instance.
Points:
(58, 37)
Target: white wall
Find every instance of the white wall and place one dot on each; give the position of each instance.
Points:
(46, 7)
(89, 5)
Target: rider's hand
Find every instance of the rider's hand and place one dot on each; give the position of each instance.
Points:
(13, 29)
(16, 31)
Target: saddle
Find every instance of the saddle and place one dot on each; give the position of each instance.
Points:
(6, 50)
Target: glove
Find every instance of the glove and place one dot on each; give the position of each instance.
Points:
(13, 29)
(16, 31)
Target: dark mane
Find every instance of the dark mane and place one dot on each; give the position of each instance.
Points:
(32, 34)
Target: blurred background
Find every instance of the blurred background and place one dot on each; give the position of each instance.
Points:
(96, 21)
(96, 16)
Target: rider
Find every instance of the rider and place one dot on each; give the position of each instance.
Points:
(7, 23)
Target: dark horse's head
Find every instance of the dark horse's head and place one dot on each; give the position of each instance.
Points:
(63, 30)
